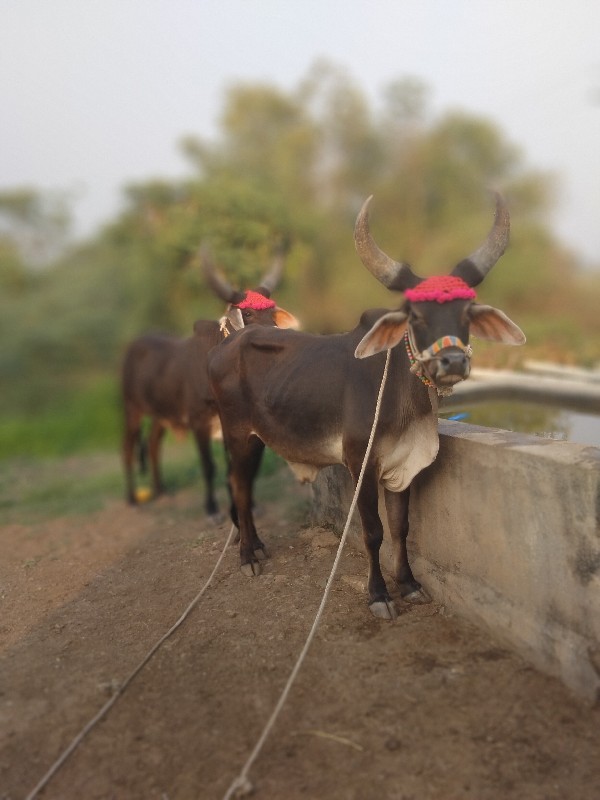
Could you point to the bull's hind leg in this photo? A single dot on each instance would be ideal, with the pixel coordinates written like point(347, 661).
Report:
point(157, 431)
point(245, 460)
point(131, 441)
point(380, 602)
point(202, 435)
point(396, 504)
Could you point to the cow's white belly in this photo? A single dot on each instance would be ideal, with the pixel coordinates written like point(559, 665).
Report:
point(305, 473)
point(402, 458)
point(305, 459)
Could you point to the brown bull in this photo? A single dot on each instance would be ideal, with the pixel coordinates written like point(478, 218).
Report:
point(312, 398)
point(165, 378)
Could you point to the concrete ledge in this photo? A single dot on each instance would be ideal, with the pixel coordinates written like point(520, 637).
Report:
point(574, 393)
point(505, 530)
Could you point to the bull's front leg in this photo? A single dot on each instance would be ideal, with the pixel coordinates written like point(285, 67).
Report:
point(244, 463)
point(380, 602)
point(396, 504)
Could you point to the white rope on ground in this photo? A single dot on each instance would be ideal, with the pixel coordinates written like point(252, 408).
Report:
point(110, 703)
point(242, 784)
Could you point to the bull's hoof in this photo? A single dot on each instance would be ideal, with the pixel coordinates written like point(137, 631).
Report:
point(418, 598)
point(251, 570)
point(383, 609)
point(261, 552)
point(216, 518)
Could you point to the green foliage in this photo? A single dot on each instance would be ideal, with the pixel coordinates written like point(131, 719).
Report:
point(35, 223)
point(33, 488)
point(76, 421)
point(288, 167)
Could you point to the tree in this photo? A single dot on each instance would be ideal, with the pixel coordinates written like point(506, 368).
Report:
point(36, 223)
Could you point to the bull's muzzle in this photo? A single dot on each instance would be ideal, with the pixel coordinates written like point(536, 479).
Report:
point(449, 366)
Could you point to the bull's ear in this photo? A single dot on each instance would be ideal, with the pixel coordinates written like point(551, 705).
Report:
point(385, 334)
point(283, 319)
point(234, 315)
point(492, 324)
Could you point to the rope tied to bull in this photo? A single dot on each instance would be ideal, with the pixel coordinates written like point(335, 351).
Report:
point(110, 703)
point(242, 786)
point(241, 783)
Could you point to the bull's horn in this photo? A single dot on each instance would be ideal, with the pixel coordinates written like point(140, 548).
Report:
point(270, 281)
point(394, 274)
point(475, 267)
point(215, 279)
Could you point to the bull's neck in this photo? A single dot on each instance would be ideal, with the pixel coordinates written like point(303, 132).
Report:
point(415, 367)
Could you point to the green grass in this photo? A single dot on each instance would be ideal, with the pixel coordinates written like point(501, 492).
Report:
point(33, 488)
point(65, 459)
point(84, 421)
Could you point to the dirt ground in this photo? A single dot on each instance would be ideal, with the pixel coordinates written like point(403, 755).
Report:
point(426, 708)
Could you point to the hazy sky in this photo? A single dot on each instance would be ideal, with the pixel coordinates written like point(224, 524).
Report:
point(97, 93)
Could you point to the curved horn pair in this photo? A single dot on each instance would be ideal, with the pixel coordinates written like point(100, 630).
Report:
point(220, 286)
point(398, 276)
point(225, 290)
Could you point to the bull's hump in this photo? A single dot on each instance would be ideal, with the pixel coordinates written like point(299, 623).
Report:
point(263, 335)
point(270, 346)
point(369, 318)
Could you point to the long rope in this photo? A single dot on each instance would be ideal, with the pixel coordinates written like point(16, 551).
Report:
point(110, 703)
point(242, 784)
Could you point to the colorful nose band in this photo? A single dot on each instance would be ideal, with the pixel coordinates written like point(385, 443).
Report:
point(445, 341)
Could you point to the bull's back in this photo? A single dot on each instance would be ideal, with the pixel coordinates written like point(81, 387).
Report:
point(148, 378)
point(166, 377)
point(286, 387)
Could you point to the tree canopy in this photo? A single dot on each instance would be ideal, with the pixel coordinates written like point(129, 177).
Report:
point(289, 167)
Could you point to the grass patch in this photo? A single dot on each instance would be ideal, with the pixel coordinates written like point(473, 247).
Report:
point(36, 489)
point(65, 458)
point(86, 421)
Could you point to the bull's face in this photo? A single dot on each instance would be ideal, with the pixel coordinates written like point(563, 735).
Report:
point(439, 313)
point(273, 316)
point(436, 337)
point(438, 340)
point(254, 306)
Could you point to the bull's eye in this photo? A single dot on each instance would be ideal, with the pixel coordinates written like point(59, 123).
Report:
point(247, 315)
point(417, 321)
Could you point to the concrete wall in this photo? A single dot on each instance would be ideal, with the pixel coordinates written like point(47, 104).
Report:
point(505, 530)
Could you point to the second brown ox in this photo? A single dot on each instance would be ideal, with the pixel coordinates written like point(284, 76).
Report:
point(165, 377)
